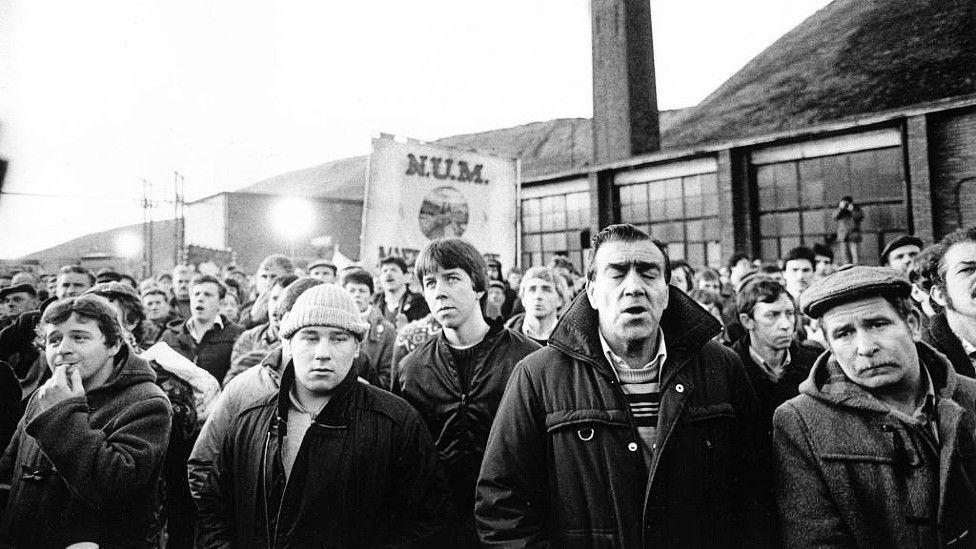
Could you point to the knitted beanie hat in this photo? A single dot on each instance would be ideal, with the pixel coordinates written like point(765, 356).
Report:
point(324, 305)
point(292, 292)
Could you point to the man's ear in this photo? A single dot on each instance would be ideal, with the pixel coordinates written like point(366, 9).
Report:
point(589, 294)
point(938, 294)
point(914, 324)
point(747, 322)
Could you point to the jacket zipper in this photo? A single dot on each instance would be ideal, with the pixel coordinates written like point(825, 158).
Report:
point(264, 463)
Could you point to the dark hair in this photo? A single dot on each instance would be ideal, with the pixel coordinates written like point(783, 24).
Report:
point(108, 276)
point(682, 265)
point(77, 269)
point(763, 290)
point(232, 284)
point(156, 291)
point(736, 258)
point(205, 278)
point(284, 281)
point(453, 253)
point(922, 272)
point(848, 198)
point(394, 260)
point(132, 310)
point(623, 232)
point(801, 253)
point(938, 254)
point(358, 276)
point(707, 297)
point(89, 306)
point(770, 268)
point(280, 261)
point(820, 248)
point(708, 273)
point(124, 278)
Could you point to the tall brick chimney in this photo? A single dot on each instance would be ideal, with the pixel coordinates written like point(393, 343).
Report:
point(625, 115)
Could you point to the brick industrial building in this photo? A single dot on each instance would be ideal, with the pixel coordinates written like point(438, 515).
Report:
point(868, 99)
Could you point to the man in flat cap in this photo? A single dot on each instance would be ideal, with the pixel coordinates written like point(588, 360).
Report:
point(879, 448)
point(900, 252)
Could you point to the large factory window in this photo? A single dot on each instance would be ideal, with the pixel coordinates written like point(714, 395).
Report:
point(551, 225)
point(797, 200)
point(682, 212)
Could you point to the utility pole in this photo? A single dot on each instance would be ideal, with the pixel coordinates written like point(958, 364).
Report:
point(147, 229)
point(179, 214)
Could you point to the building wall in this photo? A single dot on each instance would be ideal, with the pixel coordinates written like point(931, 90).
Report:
point(952, 158)
point(252, 235)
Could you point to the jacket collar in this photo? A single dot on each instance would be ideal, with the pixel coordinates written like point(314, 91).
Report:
point(335, 412)
point(828, 383)
point(686, 328)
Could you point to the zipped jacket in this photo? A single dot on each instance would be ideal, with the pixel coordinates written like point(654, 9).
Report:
point(213, 351)
point(564, 466)
point(366, 475)
point(460, 415)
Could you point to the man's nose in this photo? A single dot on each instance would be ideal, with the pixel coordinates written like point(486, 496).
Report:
point(867, 344)
point(633, 284)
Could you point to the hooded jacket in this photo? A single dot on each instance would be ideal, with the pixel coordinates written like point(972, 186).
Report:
point(87, 469)
point(851, 474)
point(460, 416)
point(563, 466)
point(366, 475)
point(940, 336)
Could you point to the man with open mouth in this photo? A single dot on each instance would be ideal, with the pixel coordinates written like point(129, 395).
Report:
point(879, 448)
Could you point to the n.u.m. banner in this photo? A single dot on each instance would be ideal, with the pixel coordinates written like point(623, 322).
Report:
point(417, 192)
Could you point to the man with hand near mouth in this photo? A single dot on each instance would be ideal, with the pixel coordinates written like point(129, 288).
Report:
point(325, 461)
point(206, 338)
point(85, 462)
point(456, 378)
point(774, 359)
point(879, 448)
point(632, 428)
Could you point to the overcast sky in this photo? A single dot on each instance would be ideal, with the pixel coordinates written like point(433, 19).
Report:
point(97, 96)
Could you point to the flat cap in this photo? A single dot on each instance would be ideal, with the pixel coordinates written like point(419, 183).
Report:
point(851, 283)
point(322, 263)
point(25, 288)
point(903, 240)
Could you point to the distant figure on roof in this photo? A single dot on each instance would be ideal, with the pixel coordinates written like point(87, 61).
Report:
point(849, 217)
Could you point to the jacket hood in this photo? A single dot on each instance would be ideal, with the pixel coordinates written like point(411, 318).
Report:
point(129, 370)
point(828, 383)
point(687, 326)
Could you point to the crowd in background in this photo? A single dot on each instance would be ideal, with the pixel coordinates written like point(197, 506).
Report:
point(218, 346)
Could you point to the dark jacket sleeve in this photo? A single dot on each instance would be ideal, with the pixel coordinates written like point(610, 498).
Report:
point(420, 489)
point(214, 494)
point(208, 444)
point(103, 467)
point(385, 365)
point(512, 485)
point(807, 514)
point(754, 480)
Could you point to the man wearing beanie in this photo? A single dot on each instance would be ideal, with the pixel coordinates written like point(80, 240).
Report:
point(456, 378)
point(253, 384)
point(327, 461)
point(879, 448)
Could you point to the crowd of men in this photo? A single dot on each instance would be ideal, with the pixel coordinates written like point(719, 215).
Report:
point(448, 403)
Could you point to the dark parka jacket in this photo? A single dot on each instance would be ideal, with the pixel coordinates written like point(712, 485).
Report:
point(366, 475)
point(940, 336)
point(460, 417)
point(215, 347)
point(564, 469)
point(851, 474)
point(87, 469)
point(773, 393)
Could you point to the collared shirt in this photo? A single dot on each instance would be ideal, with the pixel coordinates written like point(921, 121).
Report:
point(641, 387)
point(924, 416)
point(191, 325)
point(772, 372)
